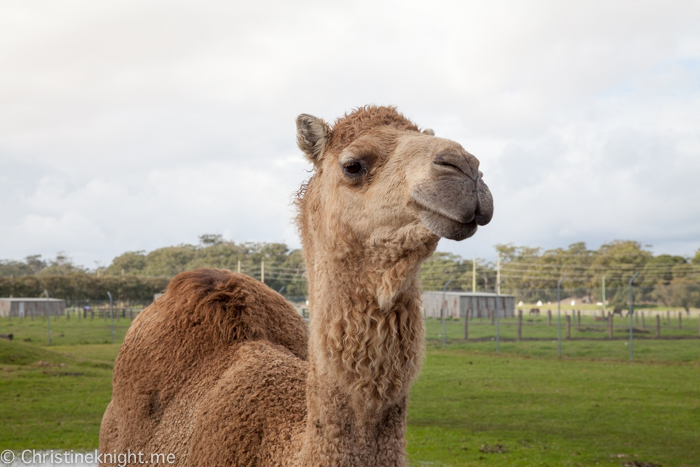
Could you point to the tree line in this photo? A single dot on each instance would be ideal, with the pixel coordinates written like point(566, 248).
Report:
point(138, 275)
point(663, 279)
point(530, 273)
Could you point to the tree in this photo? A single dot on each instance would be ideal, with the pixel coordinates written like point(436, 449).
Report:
point(442, 267)
point(535, 274)
point(131, 262)
point(31, 265)
point(211, 239)
point(681, 292)
point(169, 261)
point(60, 266)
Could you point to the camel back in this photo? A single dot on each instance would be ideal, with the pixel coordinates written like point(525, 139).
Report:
point(185, 341)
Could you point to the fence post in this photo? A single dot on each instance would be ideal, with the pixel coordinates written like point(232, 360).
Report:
point(680, 320)
point(631, 312)
point(610, 325)
point(658, 326)
point(48, 314)
point(668, 317)
point(466, 323)
point(643, 324)
point(559, 314)
point(443, 312)
point(578, 315)
point(520, 324)
point(111, 313)
point(549, 317)
point(568, 327)
point(498, 315)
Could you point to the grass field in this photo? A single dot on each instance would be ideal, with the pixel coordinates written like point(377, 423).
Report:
point(552, 412)
point(53, 398)
point(471, 406)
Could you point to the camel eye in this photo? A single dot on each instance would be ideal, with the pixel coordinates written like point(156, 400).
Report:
point(352, 168)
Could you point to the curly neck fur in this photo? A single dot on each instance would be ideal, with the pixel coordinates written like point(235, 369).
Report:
point(367, 337)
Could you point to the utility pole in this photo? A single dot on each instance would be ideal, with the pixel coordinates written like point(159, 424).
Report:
point(474, 274)
point(498, 273)
point(262, 271)
point(239, 266)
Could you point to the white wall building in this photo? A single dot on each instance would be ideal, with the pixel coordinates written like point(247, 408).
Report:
point(473, 304)
point(28, 307)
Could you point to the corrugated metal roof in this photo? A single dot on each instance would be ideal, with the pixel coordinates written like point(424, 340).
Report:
point(469, 294)
point(13, 299)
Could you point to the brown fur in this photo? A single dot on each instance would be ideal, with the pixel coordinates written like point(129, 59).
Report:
point(221, 370)
point(351, 126)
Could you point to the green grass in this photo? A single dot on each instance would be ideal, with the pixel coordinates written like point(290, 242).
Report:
point(578, 410)
point(53, 398)
point(552, 412)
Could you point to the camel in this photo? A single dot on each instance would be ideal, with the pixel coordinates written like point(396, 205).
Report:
point(221, 370)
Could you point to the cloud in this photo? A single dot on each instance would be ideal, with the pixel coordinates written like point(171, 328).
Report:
point(144, 124)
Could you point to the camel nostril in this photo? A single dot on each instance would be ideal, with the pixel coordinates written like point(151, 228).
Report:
point(456, 162)
point(447, 164)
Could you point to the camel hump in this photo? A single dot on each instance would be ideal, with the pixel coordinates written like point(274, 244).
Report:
point(228, 307)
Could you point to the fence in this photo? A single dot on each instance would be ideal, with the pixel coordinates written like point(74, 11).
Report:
point(585, 333)
point(84, 322)
point(581, 318)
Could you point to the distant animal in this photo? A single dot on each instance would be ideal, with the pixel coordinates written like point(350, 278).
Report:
point(617, 311)
point(221, 370)
point(535, 311)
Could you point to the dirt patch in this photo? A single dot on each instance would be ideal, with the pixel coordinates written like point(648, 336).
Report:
point(493, 449)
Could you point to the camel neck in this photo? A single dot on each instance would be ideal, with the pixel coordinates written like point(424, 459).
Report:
point(365, 350)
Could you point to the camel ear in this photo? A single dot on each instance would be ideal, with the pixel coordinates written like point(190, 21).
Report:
point(312, 135)
point(429, 131)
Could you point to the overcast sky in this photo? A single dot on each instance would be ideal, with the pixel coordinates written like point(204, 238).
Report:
point(134, 125)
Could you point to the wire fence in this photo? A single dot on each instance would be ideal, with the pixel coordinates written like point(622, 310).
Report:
point(591, 319)
point(647, 335)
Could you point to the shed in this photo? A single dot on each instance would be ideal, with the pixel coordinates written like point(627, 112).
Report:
point(26, 307)
point(474, 304)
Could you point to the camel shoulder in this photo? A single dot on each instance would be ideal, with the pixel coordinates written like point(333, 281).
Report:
point(254, 411)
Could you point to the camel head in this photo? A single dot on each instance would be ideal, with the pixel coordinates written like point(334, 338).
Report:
point(377, 173)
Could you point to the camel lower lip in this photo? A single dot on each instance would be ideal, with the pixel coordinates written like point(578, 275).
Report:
point(447, 227)
point(427, 205)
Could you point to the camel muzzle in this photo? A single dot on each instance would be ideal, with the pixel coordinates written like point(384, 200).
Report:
point(454, 201)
